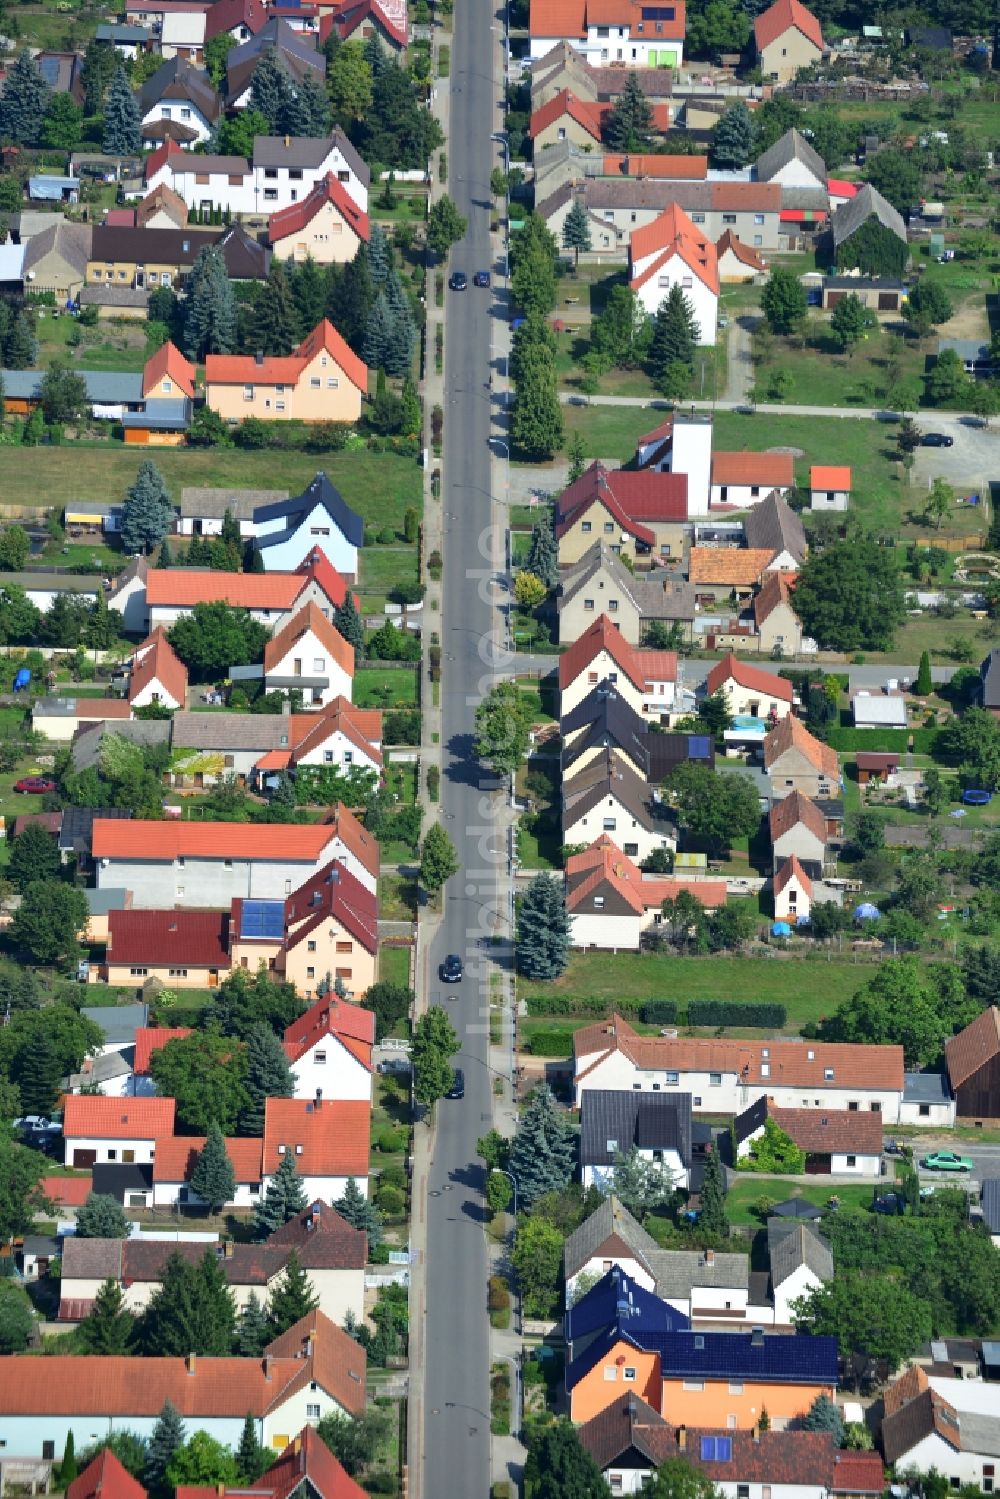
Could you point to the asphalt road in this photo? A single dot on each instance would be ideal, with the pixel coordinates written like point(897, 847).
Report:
point(456, 1373)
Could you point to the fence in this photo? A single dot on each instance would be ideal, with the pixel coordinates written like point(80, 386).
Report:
point(953, 543)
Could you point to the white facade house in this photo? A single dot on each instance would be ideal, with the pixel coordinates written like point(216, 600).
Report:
point(950, 1425)
point(726, 1077)
point(97, 1130)
point(928, 1101)
point(669, 252)
point(329, 1049)
point(284, 170)
point(183, 33)
point(800, 1262)
point(288, 529)
point(311, 655)
point(621, 33)
point(793, 892)
point(829, 486)
point(750, 691)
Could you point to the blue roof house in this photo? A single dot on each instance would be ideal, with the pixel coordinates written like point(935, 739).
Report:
point(319, 517)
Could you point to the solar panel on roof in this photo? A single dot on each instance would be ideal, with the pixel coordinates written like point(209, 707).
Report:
point(700, 747)
point(262, 918)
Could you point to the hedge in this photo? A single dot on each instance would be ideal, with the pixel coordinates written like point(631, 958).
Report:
point(557, 1042)
point(925, 741)
point(659, 1012)
point(541, 1004)
point(725, 1012)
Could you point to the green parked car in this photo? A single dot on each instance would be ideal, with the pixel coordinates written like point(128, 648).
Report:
point(947, 1160)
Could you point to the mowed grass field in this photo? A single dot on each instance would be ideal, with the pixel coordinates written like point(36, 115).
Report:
point(379, 486)
point(808, 988)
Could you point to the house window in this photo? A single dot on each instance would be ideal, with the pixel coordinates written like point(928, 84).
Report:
point(609, 824)
point(178, 973)
point(616, 1482)
point(319, 1057)
point(925, 1111)
point(333, 383)
point(852, 1107)
point(348, 757)
point(138, 973)
point(736, 1387)
point(310, 973)
point(328, 757)
point(48, 1450)
point(758, 240)
point(742, 1491)
point(715, 1079)
point(729, 218)
point(315, 384)
point(828, 1074)
point(758, 218)
point(112, 1155)
point(598, 902)
point(632, 849)
point(586, 527)
point(346, 947)
point(609, 528)
point(671, 1079)
point(248, 392)
point(588, 605)
point(852, 1161)
point(270, 195)
point(612, 606)
point(312, 1412)
point(716, 1449)
point(629, 1375)
point(765, 1069)
point(610, 1373)
point(694, 1386)
point(310, 947)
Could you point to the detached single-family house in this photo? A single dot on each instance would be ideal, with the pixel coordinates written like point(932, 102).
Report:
point(787, 37)
point(773, 525)
point(629, 1441)
point(797, 826)
point(327, 1138)
point(726, 1076)
point(271, 599)
point(297, 54)
point(793, 162)
point(613, 1123)
point(604, 722)
point(329, 1049)
point(309, 656)
point(600, 583)
point(156, 673)
point(736, 261)
point(178, 102)
point(800, 1261)
point(672, 251)
point(242, 19)
point(617, 31)
point(327, 226)
point(646, 680)
point(317, 519)
point(608, 796)
point(326, 931)
point(385, 19)
point(779, 629)
point(882, 223)
point(793, 892)
point(314, 1369)
point(320, 381)
point(829, 486)
point(590, 1316)
point(750, 690)
point(838, 1142)
point(742, 480)
point(638, 515)
point(97, 1129)
point(949, 1425)
point(283, 170)
point(796, 760)
point(611, 902)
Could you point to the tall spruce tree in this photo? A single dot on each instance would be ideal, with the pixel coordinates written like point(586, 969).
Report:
point(628, 123)
point(271, 89)
point(122, 118)
point(217, 1307)
point(380, 255)
point(168, 1437)
point(99, 67)
point(107, 1328)
point(285, 1197)
point(543, 1151)
point(576, 230)
point(378, 333)
point(21, 345)
point(356, 1210)
point(543, 554)
point(268, 1075)
point(349, 624)
point(39, 1073)
point(403, 340)
point(24, 101)
point(147, 513)
point(313, 107)
point(712, 1207)
point(252, 1459)
point(292, 1297)
point(732, 140)
point(213, 1177)
point(351, 295)
point(274, 323)
point(675, 332)
point(252, 1330)
point(543, 929)
point(191, 1312)
point(210, 320)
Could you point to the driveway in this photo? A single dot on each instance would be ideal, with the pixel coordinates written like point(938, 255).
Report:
point(969, 465)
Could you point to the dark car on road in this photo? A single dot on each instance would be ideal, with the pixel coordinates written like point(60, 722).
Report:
point(458, 281)
point(937, 440)
point(451, 969)
point(481, 278)
point(457, 1089)
point(36, 785)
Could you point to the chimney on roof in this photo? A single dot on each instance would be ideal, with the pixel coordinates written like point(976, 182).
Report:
point(682, 1438)
point(267, 1367)
point(288, 141)
point(228, 1248)
point(191, 1363)
point(709, 1256)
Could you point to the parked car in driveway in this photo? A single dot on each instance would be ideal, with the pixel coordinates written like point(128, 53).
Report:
point(35, 785)
point(937, 440)
point(947, 1160)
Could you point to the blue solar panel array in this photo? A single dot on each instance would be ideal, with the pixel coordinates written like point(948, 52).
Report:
point(699, 747)
point(262, 918)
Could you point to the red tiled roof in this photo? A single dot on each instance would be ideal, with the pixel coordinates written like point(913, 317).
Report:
point(877, 760)
point(673, 233)
point(780, 17)
point(630, 13)
point(90, 1116)
point(777, 589)
point(335, 892)
point(294, 219)
point(67, 1191)
point(309, 619)
point(332, 1134)
point(728, 566)
point(792, 869)
point(329, 1017)
point(838, 187)
point(168, 360)
point(158, 158)
point(307, 1462)
point(823, 1132)
point(731, 668)
point(669, 168)
point(105, 1478)
point(830, 476)
point(600, 636)
point(317, 565)
point(585, 113)
point(604, 863)
point(138, 838)
point(347, 16)
point(729, 241)
point(973, 1047)
point(792, 811)
point(155, 660)
point(226, 15)
point(240, 369)
point(631, 498)
point(558, 18)
point(363, 726)
point(176, 1156)
point(354, 836)
point(97, 708)
point(336, 1362)
point(183, 588)
point(768, 470)
point(791, 733)
point(199, 939)
point(150, 1038)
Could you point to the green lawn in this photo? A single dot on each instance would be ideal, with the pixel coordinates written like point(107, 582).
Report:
point(385, 688)
point(809, 989)
point(111, 346)
point(380, 486)
point(748, 1189)
point(824, 376)
point(394, 964)
point(382, 567)
point(397, 898)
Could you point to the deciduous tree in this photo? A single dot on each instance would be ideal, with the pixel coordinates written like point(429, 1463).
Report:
point(714, 806)
point(502, 728)
point(850, 321)
point(205, 1073)
point(849, 596)
point(438, 859)
point(873, 1314)
point(49, 920)
point(783, 301)
point(559, 1465)
point(445, 226)
point(434, 1045)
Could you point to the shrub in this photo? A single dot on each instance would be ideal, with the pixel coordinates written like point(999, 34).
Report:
point(498, 1296)
point(391, 1201)
point(550, 1043)
point(392, 1176)
point(433, 782)
point(659, 1012)
point(386, 537)
point(389, 1140)
point(716, 1012)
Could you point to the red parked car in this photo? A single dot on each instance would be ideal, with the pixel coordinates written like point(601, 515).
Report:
point(36, 784)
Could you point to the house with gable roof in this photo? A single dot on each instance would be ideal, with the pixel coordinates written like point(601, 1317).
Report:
point(727, 1076)
point(840, 1141)
point(608, 796)
point(156, 673)
point(773, 525)
point(799, 1261)
point(972, 1059)
point(309, 656)
point(603, 722)
point(672, 251)
point(298, 54)
point(242, 19)
point(750, 691)
point(234, 744)
point(385, 19)
point(329, 1047)
point(793, 892)
point(327, 227)
point(322, 380)
point(743, 480)
point(868, 210)
point(616, 1295)
point(829, 486)
point(565, 117)
point(312, 1370)
point(792, 162)
point(600, 583)
point(318, 517)
point(638, 515)
point(950, 1426)
point(178, 101)
point(797, 826)
point(646, 680)
point(327, 1138)
point(282, 170)
point(796, 760)
point(777, 624)
point(610, 31)
point(327, 929)
point(613, 1122)
point(611, 902)
point(787, 37)
point(736, 261)
point(98, 1129)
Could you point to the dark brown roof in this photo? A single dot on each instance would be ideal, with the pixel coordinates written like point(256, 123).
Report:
point(178, 78)
point(146, 246)
point(829, 1131)
point(973, 1047)
point(607, 776)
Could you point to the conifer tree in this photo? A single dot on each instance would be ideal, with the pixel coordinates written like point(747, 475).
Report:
point(167, 1438)
point(274, 319)
point(543, 929)
point(292, 1297)
point(213, 1177)
point(39, 1075)
point(210, 321)
point(21, 345)
point(380, 256)
point(271, 89)
point(925, 683)
point(252, 1330)
point(378, 333)
point(216, 1307)
point(402, 341)
point(543, 554)
point(122, 119)
point(356, 1210)
point(107, 1328)
point(543, 1151)
point(268, 1075)
point(313, 107)
point(252, 1459)
point(147, 513)
point(67, 1468)
point(23, 102)
point(732, 140)
point(375, 55)
point(675, 332)
point(576, 230)
point(348, 623)
point(285, 1197)
point(350, 298)
point(712, 1208)
point(627, 124)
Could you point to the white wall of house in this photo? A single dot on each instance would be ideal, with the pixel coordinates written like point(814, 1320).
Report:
point(316, 528)
point(181, 112)
point(601, 669)
point(609, 44)
point(594, 929)
point(209, 525)
point(139, 1151)
point(611, 817)
point(753, 702)
point(340, 751)
point(169, 1194)
point(130, 601)
point(801, 841)
point(326, 1188)
point(792, 901)
point(210, 883)
point(338, 1292)
point(745, 496)
point(308, 657)
point(958, 1467)
point(155, 692)
point(941, 1115)
point(599, 1267)
point(261, 191)
point(828, 499)
point(801, 1281)
point(328, 1070)
point(674, 272)
point(844, 1164)
point(602, 1177)
point(168, 614)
